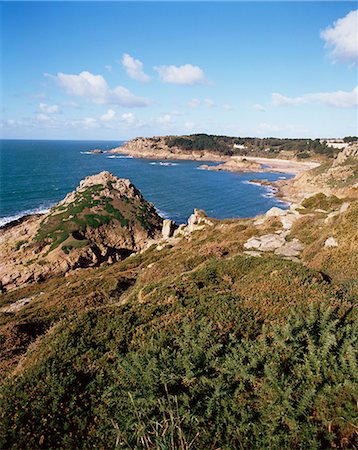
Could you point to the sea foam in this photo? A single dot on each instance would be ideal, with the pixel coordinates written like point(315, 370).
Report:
point(38, 210)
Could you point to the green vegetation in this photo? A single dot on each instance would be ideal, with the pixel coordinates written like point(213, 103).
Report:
point(19, 244)
point(351, 139)
point(116, 214)
point(322, 201)
point(220, 144)
point(227, 352)
point(77, 216)
point(300, 148)
point(74, 244)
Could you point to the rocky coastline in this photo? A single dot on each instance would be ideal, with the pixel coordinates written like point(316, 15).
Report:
point(157, 148)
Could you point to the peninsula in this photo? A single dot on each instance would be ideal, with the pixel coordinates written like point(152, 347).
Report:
point(255, 155)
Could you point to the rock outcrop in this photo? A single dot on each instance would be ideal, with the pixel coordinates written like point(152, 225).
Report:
point(104, 220)
point(338, 177)
point(168, 228)
point(197, 221)
point(157, 148)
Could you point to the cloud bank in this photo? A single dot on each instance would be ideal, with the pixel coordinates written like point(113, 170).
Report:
point(342, 38)
point(337, 99)
point(94, 88)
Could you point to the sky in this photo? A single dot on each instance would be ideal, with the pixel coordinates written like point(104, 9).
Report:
point(118, 70)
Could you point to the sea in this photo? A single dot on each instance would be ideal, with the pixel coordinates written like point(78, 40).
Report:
point(36, 174)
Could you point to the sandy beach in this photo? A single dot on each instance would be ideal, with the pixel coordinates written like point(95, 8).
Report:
point(284, 165)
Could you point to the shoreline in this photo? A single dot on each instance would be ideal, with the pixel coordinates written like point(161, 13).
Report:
point(274, 165)
point(228, 163)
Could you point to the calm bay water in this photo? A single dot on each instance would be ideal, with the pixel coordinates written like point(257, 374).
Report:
point(34, 175)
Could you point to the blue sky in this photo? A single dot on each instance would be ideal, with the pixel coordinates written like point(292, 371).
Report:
point(116, 70)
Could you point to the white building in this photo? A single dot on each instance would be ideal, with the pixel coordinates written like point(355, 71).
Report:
point(335, 143)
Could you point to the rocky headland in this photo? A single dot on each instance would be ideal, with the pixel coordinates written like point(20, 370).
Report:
point(104, 220)
point(157, 148)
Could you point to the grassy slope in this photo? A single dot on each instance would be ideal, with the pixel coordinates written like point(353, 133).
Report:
point(196, 343)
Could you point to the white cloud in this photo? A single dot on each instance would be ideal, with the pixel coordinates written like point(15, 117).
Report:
point(108, 116)
point(258, 107)
point(281, 100)
point(166, 119)
point(337, 99)
point(342, 38)
point(134, 68)
point(49, 109)
point(94, 88)
point(128, 118)
point(89, 122)
point(186, 74)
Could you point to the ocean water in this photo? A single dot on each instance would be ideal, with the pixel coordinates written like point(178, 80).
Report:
point(34, 175)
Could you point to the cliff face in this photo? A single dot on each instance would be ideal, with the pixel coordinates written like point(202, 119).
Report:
point(104, 220)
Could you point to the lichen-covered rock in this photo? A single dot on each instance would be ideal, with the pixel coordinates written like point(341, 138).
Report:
point(275, 243)
point(290, 249)
point(265, 243)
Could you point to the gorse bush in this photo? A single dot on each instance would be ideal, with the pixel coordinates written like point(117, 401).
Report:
point(282, 390)
point(192, 347)
point(106, 379)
